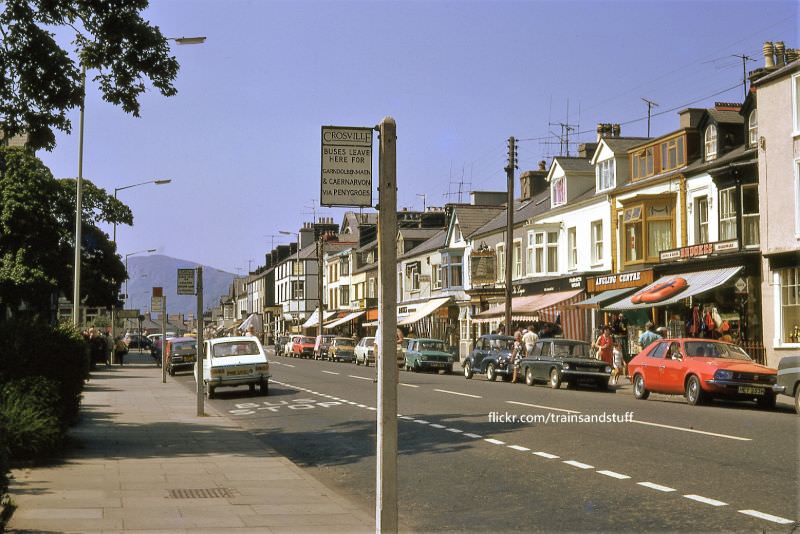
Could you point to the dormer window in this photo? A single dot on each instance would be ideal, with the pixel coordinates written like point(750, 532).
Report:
point(605, 175)
point(559, 191)
point(752, 128)
point(711, 142)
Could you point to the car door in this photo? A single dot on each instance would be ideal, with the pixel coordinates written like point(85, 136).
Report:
point(544, 359)
point(479, 354)
point(652, 366)
point(672, 369)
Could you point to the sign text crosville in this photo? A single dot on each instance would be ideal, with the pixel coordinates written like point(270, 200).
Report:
point(346, 166)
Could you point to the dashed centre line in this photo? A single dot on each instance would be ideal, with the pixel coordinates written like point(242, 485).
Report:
point(657, 487)
point(706, 500)
point(579, 465)
point(543, 407)
point(614, 474)
point(458, 393)
point(360, 377)
point(546, 455)
point(409, 385)
point(330, 372)
point(767, 517)
point(494, 441)
point(518, 448)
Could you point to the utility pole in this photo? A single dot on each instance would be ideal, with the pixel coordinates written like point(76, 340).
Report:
point(650, 105)
point(745, 58)
point(320, 256)
point(200, 347)
point(386, 468)
point(510, 166)
point(76, 289)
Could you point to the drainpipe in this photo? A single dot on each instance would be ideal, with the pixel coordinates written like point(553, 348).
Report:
point(614, 230)
point(684, 211)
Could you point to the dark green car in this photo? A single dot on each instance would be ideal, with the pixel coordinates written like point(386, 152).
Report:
point(428, 354)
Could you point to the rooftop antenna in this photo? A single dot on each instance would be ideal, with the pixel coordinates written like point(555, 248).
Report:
point(424, 200)
point(745, 58)
point(563, 138)
point(650, 105)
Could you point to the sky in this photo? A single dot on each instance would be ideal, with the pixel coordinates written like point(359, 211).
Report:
point(241, 139)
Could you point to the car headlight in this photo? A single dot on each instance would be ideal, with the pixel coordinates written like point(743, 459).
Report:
point(566, 366)
point(450, 360)
point(608, 369)
point(723, 374)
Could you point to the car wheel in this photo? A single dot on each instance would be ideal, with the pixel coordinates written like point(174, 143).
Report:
point(171, 371)
point(602, 384)
point(555, 378)
point(209, 391)
point(639, 391)
point(767, 402)
point(252, 388)
point(529, 376)
point(467, 370)
point(491, 375)
point(357, 361)
point(797, 401)
point(694, 393)
point(416, 368)
point(264, 388)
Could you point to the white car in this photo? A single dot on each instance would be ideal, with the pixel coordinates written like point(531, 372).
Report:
point(365, 352)
point(234, 361)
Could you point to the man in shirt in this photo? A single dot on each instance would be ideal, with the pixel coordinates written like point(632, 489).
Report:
point(648, 336)
point(529, 339)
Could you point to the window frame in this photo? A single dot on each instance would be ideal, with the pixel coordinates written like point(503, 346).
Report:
point(698, 224)
point(436, 280)
point(642, 221)
point(710, 137)
point(752, 129)
point(747, 216)
point(728, 218)
point(608, 169)
point(572, 248)
point(597, 259)
point(781, 304)
point(516, 259)
point(796, 104)
point(562, 184)
point(500, 250)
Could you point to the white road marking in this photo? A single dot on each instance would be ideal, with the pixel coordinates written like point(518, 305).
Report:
point(352, 403)
point(494, 441)
point(421, 421)
point(288, 365)
point(434, 425)
point(546, 455)
point(360, 377)
point(457, 393)
point(706, 500)
point(768, 517)
point(362, 405)
point(613, 474)
point(371, 408)
point(579, 465)
point(471, 435)
point(518, 448)
point(657, 487)
point(691, 430)
point(407, 418)
point(454, 430)
point(543, 407)
point(330, 372)
point(409, 385)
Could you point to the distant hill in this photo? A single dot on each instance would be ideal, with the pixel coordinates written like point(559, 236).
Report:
point(157, 270)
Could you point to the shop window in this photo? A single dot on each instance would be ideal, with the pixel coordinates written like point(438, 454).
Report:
point(606, 178)
point(790, 304)
point(559, 191)
point(752, 128)
point(727, 214)
point(701, 220)
point(501, 262)
point(597, 242)
point(572, 246)
point(711, 142)
point(750, 215)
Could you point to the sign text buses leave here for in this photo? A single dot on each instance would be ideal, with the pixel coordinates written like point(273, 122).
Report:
point(346, 178)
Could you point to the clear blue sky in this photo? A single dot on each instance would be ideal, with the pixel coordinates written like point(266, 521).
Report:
point(241, 140)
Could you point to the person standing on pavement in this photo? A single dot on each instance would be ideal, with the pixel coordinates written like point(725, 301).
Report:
point(120, 349)
point(648, 336)
point(516, 355)
point(529, 339)
point(605, 346)
point(619, 363)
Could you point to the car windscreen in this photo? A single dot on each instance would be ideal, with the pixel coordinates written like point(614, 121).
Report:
point(431, 345)
point(183, 347)
point(309, 340)
point(571, 350)
point(343, 342)
point(501, 344)
point(709, 349)
point(236, 348)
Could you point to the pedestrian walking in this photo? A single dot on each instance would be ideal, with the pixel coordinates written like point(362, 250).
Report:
point(120, 349)
point(648, 336)
point(605, 346)
point(619, 363)
point(529, 339)
point(516, 355)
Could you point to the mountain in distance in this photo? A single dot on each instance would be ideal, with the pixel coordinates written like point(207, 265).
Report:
point(157, 270)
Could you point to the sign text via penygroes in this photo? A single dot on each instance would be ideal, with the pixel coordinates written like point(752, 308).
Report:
point(346, 166)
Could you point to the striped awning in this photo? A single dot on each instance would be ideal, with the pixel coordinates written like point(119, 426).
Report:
point(688, 284)
point(597, 300)
point(548, 307)
point(342, 320)
point(423, 311)
point(314, 319)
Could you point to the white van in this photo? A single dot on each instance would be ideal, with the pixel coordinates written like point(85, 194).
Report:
point(234, 361)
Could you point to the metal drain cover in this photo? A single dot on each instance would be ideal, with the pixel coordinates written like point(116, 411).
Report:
point(208, 493)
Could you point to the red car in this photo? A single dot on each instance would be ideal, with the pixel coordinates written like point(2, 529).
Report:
point(303, 347)
point(701, 369)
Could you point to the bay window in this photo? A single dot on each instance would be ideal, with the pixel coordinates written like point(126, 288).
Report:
point(648, 230)
point(790, 304)
point(452, 271)
point(545, 252)
point(436, 281)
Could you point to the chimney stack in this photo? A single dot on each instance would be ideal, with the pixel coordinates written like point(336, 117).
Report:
point(791, 55)
point(769, 59)
point(615, 130)
point(543, 165)
point(780, 51)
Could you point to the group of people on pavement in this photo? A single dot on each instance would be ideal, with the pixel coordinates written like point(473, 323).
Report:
point(101, 345)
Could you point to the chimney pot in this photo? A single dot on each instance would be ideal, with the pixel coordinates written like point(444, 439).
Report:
point(769, 60)
point(780, 51)
point(615, 130)
point(543, 165)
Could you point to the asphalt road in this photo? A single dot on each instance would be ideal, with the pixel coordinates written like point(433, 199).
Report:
point(670, 467)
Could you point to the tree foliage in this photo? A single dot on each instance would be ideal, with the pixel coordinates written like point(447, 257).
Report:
point(40, 82)
point(37, 225)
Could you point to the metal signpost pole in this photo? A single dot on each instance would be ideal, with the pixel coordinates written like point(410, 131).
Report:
point(164, 340)
point(200, 347)
point(76, 289)
point(512, 153)
point(386, 469)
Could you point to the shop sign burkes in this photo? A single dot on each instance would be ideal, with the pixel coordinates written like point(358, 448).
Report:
point(483, 266)
point(700, 250)
point(596, 284)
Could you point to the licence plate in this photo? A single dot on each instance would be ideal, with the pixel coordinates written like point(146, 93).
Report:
point(747, 390)
point(237, 372)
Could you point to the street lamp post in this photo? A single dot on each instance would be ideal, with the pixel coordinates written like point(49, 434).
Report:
point(118, 189)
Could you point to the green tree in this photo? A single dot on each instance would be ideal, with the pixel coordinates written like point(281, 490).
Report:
point(37, 221)
point(40, 82)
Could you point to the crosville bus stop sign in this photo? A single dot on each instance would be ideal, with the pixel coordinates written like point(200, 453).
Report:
point(346, 166)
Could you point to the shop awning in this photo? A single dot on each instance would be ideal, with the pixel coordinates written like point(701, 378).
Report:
point(314, 319)
point(253, 320)
point(672, 288)
point(423, 311)
point(604, 296)
point(527, 308)
point(348, 317)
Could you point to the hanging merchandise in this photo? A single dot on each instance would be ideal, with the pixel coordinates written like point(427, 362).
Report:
point(715, 315)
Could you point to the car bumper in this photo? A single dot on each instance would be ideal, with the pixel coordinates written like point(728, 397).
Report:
point(589, 374)
point(736, 388)
point(348, 356)
point(222, 381)
point(435, 365)
point(777, 388)
point(181, 365)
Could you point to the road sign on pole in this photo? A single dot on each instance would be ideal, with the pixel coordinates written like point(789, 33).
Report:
point(128, 314)
point(346, 166)
point(185, 281)
point(155, 305)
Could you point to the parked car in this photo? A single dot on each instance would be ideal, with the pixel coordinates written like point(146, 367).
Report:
point(365, 351)
point(701, 369)
point(321, 344)
point(181, 354)
point(427, 354)
point(303, 347)
point(557, 361)
point(789, 379)
point(288, 348)
point(280, 344)
point(232, 362)
point(491, 355)
point(137, 341)
point(341, 349)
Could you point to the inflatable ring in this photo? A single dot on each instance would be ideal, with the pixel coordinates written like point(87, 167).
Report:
point(661, 291)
